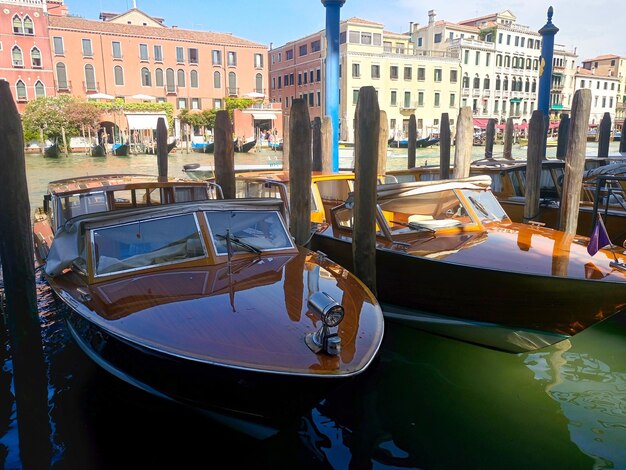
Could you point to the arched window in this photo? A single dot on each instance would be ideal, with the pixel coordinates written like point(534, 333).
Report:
point(497, 82)
point(158, 77)
point(505, 84)
point(90, 78)
point(232, 84)
point(536, 64)
point(507, 61)
point(18, 26)
point(20, 88)
point(259, 83)
point(118, 74)
point(527, 86)
point(513, 84)
point(476, 82)
point(193, 79)
point(217, 80)
point(465, 81)
point(534, 86)
point(486, 83)
point(514, 62)
point(146, 77)
point(528, 63)
point(35, 58)
point(169, 78)
point(40, 89)
point(29, 27)
point(18, 58)
point(62, 77)
point(180, 77)
point(499, 60)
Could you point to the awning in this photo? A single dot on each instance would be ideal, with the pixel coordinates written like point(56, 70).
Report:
point(263, 115)
point(481, 122)
point(144, 120)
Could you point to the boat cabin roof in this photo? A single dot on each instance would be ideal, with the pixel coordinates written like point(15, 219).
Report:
point(394, 190)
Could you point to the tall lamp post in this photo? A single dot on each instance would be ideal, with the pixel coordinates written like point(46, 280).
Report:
point(331, 85)
point(545, 71)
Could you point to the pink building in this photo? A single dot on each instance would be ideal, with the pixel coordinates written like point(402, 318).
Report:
point(26, 61)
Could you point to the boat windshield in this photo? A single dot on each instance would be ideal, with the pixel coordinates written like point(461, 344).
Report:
point(260, 230)
point(485, 205)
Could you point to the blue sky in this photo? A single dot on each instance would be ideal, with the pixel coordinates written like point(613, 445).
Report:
point(595, 28)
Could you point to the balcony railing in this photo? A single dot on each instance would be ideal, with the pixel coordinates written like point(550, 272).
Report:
point(170, 89)
point(465, 92)
point(486, 92)
point(476, 92)
point(90, 87)
point(233, 91)
point(63, 86)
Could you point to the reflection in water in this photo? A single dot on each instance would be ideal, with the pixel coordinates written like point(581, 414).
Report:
point(592, 396)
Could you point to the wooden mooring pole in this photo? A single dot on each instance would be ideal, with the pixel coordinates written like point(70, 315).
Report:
point(317, 144)
point(622, 140)
point(383, 136)
point(21, 315)
point(412, 141)
point(508, 139)
point(464, 143)
point(490, 137)
point(575, 161)
point(161, 137)
point(534, 158)
point(224, 154)
point(366, 135)
point(300, 171)
point(327, 144)
point(561, 145)
point(444, 147)
point(604, 135)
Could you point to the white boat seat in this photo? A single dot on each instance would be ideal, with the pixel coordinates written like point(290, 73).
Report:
point(435, 224)
point(419, 217)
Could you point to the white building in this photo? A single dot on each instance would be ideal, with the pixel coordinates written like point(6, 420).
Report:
point(603, 93)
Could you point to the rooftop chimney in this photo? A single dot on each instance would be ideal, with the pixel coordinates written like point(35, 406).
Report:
point(431, 16)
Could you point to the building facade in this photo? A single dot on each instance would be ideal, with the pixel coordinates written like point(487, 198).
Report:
point(25, 61)
point(406, 83)
point(603, 93)
point(614, 66)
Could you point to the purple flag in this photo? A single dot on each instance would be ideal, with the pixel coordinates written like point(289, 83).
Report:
point(599, 238)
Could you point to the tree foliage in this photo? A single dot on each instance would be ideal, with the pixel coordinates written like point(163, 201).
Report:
point(49, 114)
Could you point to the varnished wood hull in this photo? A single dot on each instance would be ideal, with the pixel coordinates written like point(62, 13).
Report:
point(554, 304)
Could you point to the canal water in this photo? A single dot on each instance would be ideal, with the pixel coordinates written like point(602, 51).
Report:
point(428, 402)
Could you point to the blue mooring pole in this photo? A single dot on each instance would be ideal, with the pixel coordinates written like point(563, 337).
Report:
point(331, 86)
point(545, 71)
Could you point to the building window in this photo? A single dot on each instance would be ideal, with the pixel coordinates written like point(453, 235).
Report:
point(437, 37)
point(143, 52)
point(289, 54)
point(90, 78)
point(421, 74)
point(477, 58)
point(315, 46)
point(17, 57)
point(87, 50)
point(181, 103)
point(407, 99)
point(195, 103)
point(217, 80)
point(158, 53)
point(29, 27)
point(170, 85)
point(375, 71)
point(232, 84)
point(146, 77)
point(193, 79)
point(180, 55)
point(158, 77)
point(452, 100)
point(20, 87)
point(216, 57)
point(466, 57)
point(438, 75)
point(453, 76)
point(420, 98)
point(259, 83)
point(217, 103)
point(40, 89)
point(393, 101)
point(192, 52)
point(408, 73)
point(302, 50)
point(355, 96)
point(232, 58)
point(476, 82)
point(61, 77)
point(118, 73)
point(57, 43)
point(18, 26)
point(117, 49)
point(35, 58)
point(180, 77)
point(487, 84)
point(465, 81)
point(356, 70)
point(393, 72)
point(258, 60)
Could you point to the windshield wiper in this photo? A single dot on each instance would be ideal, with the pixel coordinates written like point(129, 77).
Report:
point(237, 241)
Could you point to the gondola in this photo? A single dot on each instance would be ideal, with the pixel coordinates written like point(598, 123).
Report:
point(244, 147)
point(121, 150)
point(53, 151)
point(98, 151)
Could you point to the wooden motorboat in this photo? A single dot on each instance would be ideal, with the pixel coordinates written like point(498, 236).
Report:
point(121, 150)
point(448, 257)
point(509, 186)
point(205, 302)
